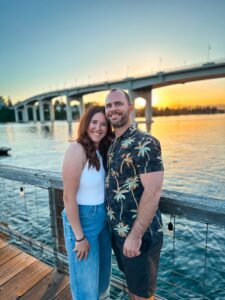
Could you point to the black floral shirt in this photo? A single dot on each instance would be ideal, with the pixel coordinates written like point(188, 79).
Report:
point(135, 152)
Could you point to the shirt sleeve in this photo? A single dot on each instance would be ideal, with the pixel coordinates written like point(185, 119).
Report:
point(147, 155)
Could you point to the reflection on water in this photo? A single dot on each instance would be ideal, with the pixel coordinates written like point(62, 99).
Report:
point(193, 149)
point(194, 157)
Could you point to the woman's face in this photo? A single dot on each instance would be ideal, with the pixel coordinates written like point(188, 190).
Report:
point(97, 128)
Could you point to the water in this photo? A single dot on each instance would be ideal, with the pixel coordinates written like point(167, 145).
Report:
point(194, 159)
point(193, 150)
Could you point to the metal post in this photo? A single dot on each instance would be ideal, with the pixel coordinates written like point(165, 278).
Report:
point(54, 227)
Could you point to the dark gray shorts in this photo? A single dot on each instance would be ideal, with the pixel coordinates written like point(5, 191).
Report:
point(140, 271)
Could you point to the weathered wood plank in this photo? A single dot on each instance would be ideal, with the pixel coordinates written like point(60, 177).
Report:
point(3, 244)
point(47, 179)
point(22, 282)
point(39, 178)
point(193, 207)
point(3, 236)
point(48, 288)
point(64, 295)
point(190, 206)
point(8, 253)
point(14, 266)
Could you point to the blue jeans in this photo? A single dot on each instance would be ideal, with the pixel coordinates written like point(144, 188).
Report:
point(90, 279)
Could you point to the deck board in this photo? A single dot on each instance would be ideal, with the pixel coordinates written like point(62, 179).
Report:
point(48, 288)
point(14, 266)
point(24, 277)
point(65, 294)
point(3, 244)
point(8, 253)
point(25, 280)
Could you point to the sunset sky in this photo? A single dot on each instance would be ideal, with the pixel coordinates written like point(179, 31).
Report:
point(49, 44)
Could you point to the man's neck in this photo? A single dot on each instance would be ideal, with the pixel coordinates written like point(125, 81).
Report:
point(120, 131)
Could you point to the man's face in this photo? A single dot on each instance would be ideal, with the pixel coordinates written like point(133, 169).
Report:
point(117, 109)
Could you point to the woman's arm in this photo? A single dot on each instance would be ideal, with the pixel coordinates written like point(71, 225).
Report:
point(73, 164)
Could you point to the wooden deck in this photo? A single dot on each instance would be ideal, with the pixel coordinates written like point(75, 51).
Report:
point(24, 277)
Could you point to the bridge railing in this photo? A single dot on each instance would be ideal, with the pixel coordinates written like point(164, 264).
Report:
point(129, 76)
point(183, 67)
point(192, 264)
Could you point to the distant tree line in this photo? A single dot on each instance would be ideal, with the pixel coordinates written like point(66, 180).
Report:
point(6, 111)
point(181, 111)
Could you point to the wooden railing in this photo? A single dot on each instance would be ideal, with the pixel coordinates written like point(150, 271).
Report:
point(195, 208)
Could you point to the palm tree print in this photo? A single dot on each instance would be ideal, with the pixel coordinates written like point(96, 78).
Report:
point(160, 158)
point(120, 197)
point(132, 183)
point(119, 194)
point(133, 153)
point(142, 149)
point(110, 157)
point(135, 212)
point(129, 162)
point(107, 181)
point(115, 175)
point(110, 213)
point(122, 229)
point(126, 143)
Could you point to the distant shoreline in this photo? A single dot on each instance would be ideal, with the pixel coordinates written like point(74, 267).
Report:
point(162, 112)
point(188, 114)
point(140, 113)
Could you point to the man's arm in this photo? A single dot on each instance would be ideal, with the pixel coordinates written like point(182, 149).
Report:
point(152, 183)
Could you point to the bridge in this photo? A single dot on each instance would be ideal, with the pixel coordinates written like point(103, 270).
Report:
point(136, 86)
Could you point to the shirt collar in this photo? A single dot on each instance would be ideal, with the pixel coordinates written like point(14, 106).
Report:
point(132, 128)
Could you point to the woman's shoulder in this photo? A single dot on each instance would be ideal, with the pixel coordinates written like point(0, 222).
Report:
point(77, 149)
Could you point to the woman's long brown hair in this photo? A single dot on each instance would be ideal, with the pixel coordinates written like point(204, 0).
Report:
point(87, 143)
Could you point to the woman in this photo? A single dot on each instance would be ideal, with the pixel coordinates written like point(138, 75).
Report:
point(87, 237)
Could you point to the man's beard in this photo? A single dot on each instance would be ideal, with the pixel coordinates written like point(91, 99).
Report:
point(117, 124)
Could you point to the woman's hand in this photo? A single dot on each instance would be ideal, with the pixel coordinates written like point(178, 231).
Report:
point(82, 248)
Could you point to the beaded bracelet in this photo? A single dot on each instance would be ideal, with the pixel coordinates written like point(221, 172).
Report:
point(80, 240)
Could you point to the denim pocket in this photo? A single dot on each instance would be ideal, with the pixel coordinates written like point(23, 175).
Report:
point(87, 211)
point(68, 231)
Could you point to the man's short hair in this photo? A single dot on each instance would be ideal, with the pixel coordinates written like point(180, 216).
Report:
point(125, 94)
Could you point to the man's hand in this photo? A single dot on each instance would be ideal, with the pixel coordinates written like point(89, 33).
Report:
point(132, 245)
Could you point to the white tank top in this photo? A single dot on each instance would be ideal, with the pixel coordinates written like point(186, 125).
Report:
point(91, 190)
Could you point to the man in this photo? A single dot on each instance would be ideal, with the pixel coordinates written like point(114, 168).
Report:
point(133, 189)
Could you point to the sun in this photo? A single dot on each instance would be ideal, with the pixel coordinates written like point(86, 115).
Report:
point(141, 102)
